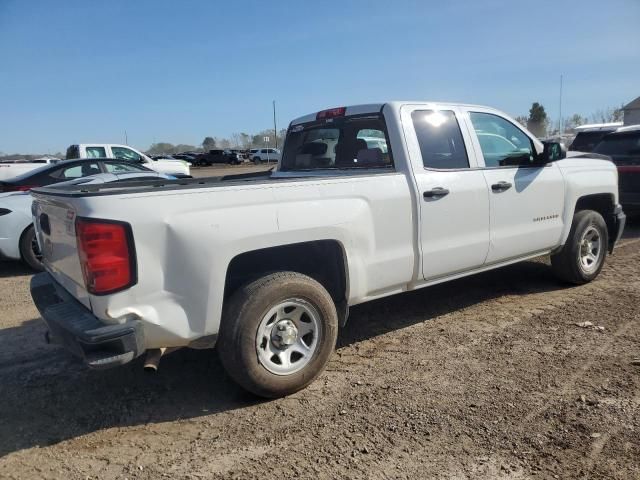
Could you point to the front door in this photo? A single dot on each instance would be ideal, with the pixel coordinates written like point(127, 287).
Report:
point(453, 201)
point(526, 198)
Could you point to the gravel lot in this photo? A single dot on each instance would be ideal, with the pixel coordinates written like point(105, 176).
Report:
point(484, 377)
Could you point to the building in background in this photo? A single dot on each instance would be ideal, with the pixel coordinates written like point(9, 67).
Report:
point(632, 112)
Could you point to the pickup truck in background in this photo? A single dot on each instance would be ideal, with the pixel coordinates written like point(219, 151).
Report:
point(265, 266)
point(174, 167)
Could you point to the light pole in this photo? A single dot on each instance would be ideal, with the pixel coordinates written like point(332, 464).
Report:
point(560, 109)
point(275, 128)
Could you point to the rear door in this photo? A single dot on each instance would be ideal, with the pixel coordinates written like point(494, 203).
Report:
point(526, 198)
point(454, 200)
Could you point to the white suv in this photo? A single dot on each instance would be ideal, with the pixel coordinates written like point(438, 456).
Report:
point(265, 155)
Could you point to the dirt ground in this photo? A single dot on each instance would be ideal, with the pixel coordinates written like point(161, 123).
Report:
point(217, 170)
point(484, 377)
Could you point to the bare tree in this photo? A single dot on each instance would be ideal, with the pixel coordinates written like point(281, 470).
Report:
point(236, 140)
point(522, 120)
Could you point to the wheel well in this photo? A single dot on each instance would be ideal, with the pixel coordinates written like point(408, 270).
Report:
point(322, 260)
point(601, 203)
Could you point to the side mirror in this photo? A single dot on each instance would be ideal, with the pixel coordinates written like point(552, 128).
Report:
point(553, 151)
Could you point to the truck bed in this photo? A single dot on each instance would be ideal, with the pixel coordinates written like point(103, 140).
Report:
point(148, 186)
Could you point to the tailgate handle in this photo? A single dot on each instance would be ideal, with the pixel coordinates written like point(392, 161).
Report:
point(45, 226)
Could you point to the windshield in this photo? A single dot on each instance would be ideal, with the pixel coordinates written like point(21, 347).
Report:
point(337, 143)
point(619, 144)
point(586, 141)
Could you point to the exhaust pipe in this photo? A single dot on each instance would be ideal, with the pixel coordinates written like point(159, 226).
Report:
point(152, 361)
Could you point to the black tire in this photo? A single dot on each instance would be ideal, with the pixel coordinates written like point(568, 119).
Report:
point(257, 160)
point(241, 320)
point(567, 264)
point(29, 250)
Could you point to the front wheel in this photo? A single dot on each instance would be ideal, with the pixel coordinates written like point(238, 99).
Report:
point(30, 251)
point(278, 333)
point(582, 257)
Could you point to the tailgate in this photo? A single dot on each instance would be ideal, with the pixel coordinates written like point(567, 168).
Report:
point(54, 219)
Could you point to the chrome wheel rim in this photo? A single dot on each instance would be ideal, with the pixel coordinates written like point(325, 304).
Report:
point(288, 336)
point(590, 249)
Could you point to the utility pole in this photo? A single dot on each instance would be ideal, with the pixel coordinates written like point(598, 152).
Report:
point(560, 109)
point(126, 139)
point(275, 128)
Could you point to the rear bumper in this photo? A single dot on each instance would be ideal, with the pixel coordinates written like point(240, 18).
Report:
point(98, 344)
point(619, 220)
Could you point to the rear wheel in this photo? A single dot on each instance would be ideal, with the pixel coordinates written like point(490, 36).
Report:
point(29, 249)
point(257, 160)
point(278, 333)
point(583, 255)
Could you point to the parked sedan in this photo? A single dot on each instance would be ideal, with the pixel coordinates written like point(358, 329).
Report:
point(68, 170)
point(17, 238)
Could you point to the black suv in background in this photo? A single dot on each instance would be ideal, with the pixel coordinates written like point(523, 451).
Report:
point(623, 146)
point(588, 136)
point(220, 156)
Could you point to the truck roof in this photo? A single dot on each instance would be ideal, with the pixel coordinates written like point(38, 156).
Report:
point(628, 128)
point(597, 127)
point(377, 107)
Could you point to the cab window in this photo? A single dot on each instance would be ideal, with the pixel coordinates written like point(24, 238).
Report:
point(113, 167)
point(125, 154)
point(440, 139)
point(502, 143)
point(96, 152)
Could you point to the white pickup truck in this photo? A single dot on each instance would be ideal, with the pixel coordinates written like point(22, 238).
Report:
point(265, 266)
point(176, 168)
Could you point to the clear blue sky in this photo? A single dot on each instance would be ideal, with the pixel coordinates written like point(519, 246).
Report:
point(176, 71)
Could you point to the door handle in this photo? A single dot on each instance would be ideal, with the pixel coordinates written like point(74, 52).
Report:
point(501, 186)
point(436, 192)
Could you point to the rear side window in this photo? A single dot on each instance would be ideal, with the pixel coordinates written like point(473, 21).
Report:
point(440, 139)
point(338, 143)
point(76, 171)
point(96, 152)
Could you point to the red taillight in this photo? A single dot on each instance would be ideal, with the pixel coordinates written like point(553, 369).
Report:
point(331, 113)
point(106, 255)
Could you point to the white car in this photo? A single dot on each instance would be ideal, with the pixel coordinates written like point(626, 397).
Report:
point(17, 239)
point(265, 266)
point(265, 155)
point(10, 169)
point(175, 167)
